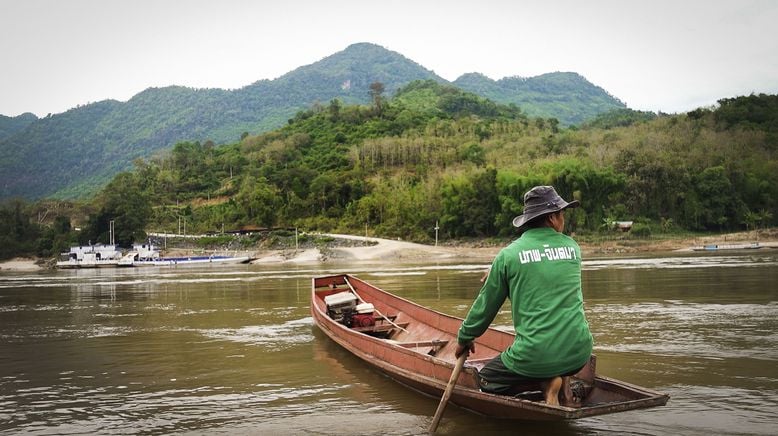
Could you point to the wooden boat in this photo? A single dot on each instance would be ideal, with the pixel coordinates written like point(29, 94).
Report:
point(149, 255)
point(717, 247)
point(129, 261)
point(415, 346)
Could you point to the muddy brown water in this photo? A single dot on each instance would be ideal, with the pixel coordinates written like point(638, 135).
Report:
point(232, 349)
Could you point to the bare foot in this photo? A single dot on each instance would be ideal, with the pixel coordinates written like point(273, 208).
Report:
point(573, 392)
point(551, 390)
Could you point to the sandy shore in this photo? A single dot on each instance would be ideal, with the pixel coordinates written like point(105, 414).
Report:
point(376, 249)
point(387, 250)
point(20, 264)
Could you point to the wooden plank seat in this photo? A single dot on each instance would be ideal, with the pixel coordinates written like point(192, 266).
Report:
point(434, 345)
point(421, 344)
point(378, 328)
point(379, 318)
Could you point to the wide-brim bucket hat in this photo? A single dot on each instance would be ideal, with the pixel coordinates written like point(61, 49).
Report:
point(541, 200)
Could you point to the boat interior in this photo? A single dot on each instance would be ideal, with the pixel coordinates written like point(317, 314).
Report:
point(407, 325)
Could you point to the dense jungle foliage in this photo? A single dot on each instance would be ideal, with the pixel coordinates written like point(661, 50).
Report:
point(435, 154)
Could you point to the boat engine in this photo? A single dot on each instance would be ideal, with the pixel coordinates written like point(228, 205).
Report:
point(340, 306)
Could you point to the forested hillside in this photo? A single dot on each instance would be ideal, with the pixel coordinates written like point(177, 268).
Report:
point(568, 97)
point(11, 125)
point(79, 151)
point(437, 154)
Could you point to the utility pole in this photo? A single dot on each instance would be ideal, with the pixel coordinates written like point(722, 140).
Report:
point(436, 233)
point(110, 232)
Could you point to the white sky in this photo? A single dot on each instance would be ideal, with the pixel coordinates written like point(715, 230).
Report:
point(657, 55)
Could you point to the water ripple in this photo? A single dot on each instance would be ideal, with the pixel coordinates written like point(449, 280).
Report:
point(277, 336)
point(683, 328)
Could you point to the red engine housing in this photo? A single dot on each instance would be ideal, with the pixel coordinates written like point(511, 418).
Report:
point(362, 320)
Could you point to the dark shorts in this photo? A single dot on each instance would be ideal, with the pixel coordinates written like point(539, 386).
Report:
point(496, 378)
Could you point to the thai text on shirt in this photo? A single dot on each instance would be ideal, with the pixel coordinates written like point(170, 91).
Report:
point(546, 254)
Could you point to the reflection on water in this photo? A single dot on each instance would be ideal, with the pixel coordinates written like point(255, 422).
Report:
point(234, 349)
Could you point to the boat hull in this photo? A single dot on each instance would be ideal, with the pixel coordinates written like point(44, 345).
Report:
point(74, 264)
point(418, 351)
point(196, 261)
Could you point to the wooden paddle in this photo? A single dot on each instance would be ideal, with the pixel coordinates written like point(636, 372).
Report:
point(452, 381)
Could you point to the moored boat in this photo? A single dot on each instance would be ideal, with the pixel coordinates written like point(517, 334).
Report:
point(148, 255)
point(90, 256)
point(105, 256)
point(191, 260)
point(415, 345)
point(717, 247)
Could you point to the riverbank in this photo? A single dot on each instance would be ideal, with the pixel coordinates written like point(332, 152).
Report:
point(764, 238)
point(350, 248)
point(387, 250)
point(21, 264)
point(369, 249)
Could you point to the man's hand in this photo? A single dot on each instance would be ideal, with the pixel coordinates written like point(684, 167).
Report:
point(464, 348)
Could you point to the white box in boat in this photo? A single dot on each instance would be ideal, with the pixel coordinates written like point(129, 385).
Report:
point(365, 308)
point(340, 300)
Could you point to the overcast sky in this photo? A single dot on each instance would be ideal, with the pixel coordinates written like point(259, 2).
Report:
point(656, 55)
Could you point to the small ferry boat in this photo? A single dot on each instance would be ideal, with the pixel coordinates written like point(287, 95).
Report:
point(90, 256)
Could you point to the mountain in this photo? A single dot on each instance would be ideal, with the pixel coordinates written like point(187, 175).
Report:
point(346, 75)
point(75, 153)
point(80, 150)
point(10, 125)
point(568, 97)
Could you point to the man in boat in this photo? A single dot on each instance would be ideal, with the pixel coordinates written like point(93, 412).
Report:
point(540, 272)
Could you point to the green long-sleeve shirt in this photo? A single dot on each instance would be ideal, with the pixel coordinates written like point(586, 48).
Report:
point(541, 275)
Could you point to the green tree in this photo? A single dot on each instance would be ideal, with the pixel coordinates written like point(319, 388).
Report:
point(470, 204)
point(18, 234)
point(720, 205)
point(123, 202)
point(473, 153)
point(377, 96)
point(259, 200)
point(56, 238)
point(334, 109)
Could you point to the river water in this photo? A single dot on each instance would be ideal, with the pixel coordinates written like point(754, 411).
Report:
point(233, 349)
